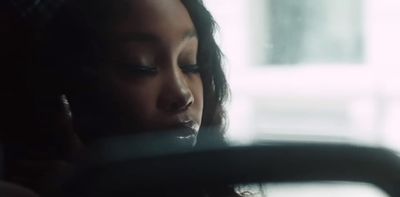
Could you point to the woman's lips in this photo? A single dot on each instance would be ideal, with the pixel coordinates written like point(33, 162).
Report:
point(185, 131)
point(179, 131)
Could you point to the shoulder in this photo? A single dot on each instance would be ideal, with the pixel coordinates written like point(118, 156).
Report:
point(12, 190)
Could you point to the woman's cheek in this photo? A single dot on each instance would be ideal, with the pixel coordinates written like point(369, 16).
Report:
point(137, 99)
point(198, 93)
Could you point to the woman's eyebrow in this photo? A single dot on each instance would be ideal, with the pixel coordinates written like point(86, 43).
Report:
point(138, 37)
point(149, 37)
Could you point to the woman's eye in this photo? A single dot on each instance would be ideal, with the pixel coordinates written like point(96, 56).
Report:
point(138, 69)
point(190, 68)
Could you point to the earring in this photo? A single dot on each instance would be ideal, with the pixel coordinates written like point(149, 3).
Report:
point(66, 106)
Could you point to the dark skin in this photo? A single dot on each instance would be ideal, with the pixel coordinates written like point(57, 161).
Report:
point(152, 73)
point(148, 81)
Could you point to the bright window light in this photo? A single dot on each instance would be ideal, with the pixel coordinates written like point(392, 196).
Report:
point(312, 69)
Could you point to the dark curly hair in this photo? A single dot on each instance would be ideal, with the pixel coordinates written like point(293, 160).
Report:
point(74, 38)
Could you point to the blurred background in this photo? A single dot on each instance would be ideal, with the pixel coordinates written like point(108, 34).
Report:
point(312, 69)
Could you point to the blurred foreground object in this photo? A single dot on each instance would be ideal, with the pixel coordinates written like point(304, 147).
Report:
point(184, 172)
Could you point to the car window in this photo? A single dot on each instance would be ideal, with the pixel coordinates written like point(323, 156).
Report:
point(311, 189)
point(312, 69)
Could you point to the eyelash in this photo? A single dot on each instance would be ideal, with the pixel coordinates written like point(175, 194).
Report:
point(151, 70)
point(190, 68)
point(139, 69)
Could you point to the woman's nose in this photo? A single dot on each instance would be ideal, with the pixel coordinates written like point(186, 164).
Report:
point(176, 96)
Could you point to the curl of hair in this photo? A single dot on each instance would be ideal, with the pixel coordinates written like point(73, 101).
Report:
point(215, 85)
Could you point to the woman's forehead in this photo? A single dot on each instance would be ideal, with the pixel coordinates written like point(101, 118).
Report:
point(161, 18)
point(156, 11)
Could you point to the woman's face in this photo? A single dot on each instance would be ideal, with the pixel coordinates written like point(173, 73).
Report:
point(152, 71)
